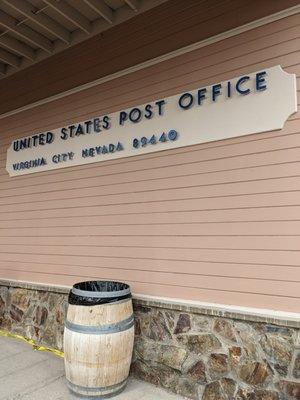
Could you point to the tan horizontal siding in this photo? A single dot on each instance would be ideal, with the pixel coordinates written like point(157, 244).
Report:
point(92, 217)
point(247, 285)
point(273, 199)
point(246, 242)
point(208, 294)
point(231, 229)
point(256, 274)
point(96, 196)
point(217, 222)
point(178, 176)
point(179, 257)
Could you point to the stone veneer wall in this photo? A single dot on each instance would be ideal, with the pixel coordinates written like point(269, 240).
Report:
point(199, 353)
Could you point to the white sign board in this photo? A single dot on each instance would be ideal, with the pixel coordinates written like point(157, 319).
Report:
point(258, 102)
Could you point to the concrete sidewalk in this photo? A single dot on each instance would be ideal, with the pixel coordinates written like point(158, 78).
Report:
point(26, 374)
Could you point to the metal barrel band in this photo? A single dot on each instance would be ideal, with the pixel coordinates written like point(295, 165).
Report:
point(104, 329)
point(100, 295)
point(98, 391)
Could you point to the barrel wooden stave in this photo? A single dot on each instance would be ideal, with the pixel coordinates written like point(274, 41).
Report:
point(100, 314)
point(98, 360)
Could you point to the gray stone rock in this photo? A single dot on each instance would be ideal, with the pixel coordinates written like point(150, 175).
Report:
point(269, 328)
point(60, 315)
point(158, 328)
point(143, 323)
point(235, 355)
point(183, 324)
point(200, 323)
point(146, 372)
point(265, 395)
point(244, 394)
point(163, 376)
point(172, 356)
point(16, 313)
point(59, 338)
point(43, 297)
point(2, 306)
point(53, 300)
point(138, 308)
point(5, 323)
point(41, 315)
point(20, 299)
point(257, 394)
point(29, 313)
point(145, 349)
point(201, 343)
point(4, 294)
point(154, 352)
point(290, 389)
point(197, 372)
point(224, 328)
point(137, 327)
point(296, 368)
point(249, 339)
point(254, 373)
point(187, 387)
point(171, 319)
point(281, 369)
point(49, 337)
point(218, 365)
point(224, 389)
point(32, 332)
point(277, 348)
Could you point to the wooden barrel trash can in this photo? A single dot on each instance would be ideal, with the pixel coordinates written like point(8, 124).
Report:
point(98, 338)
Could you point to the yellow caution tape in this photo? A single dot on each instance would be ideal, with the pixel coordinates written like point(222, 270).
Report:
point(34, 345)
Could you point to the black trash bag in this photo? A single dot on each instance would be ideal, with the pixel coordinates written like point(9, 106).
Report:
point(104, 290)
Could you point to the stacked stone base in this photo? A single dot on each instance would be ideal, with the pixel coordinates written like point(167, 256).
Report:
point(197, 353)
point(214, 358)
